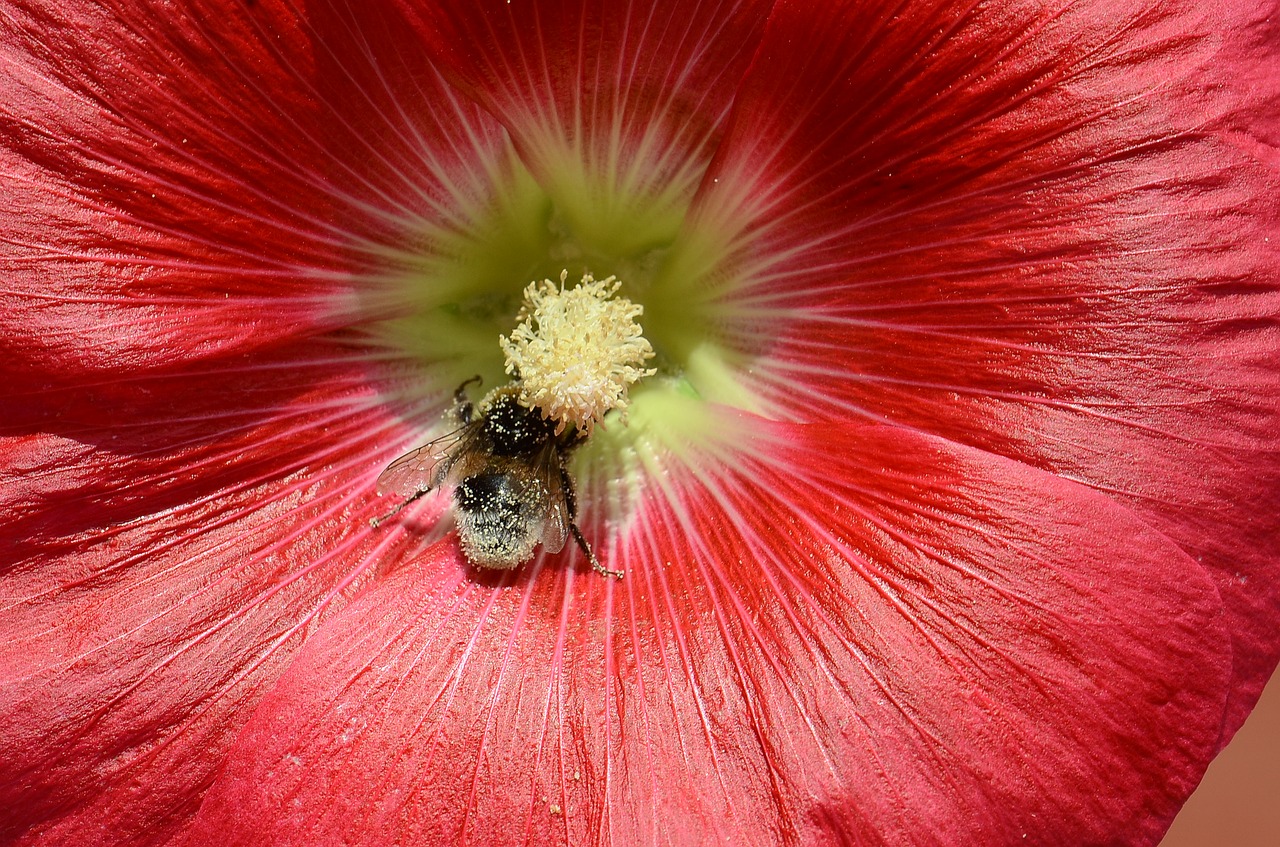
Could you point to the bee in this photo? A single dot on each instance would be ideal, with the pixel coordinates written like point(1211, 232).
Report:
point(511, 489)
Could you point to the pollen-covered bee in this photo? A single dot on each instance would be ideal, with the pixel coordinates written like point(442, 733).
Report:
point(511, 488)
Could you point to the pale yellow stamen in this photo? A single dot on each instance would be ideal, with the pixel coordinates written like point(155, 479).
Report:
point(576, 351)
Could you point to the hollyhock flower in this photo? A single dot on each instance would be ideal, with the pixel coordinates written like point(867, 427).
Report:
point(948, 517)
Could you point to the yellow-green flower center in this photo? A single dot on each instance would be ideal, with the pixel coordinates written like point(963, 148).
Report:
point(469, 309)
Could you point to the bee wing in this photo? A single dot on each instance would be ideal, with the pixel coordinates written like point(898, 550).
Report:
point(555, 525)
point(428, 466)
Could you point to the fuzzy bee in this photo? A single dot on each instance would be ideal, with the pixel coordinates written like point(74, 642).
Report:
point(511, 489)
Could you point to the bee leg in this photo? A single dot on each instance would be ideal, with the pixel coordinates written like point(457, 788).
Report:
point(571, 499)
point(381, 519)
point(462, 408)
point(591, 557)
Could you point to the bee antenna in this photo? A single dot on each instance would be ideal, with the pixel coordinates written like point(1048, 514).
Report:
point(591, 557)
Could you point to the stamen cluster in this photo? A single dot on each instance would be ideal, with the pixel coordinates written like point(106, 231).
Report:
point(576, 350)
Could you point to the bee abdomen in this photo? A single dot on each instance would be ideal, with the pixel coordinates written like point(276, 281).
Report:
point(497, 520)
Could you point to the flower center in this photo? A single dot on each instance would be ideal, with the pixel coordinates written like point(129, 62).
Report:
point(575, 350)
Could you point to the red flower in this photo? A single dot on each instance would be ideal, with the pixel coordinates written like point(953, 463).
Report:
point(950, 516)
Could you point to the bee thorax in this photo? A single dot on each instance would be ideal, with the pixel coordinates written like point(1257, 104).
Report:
point(514, 430)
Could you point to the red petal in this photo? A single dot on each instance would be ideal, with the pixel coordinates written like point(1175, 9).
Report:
point(615, 107)
point(186, 183)
point(1047, 230)
point(162, 567)
point(870, 636)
